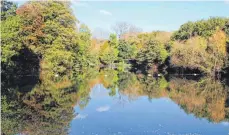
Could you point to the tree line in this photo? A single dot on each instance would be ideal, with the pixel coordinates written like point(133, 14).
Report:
point(49, 30)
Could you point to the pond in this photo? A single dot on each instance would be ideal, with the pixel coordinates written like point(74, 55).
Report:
point(106, 115)
point(114, 103)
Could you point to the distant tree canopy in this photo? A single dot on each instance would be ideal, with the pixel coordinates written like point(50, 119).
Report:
point(124, 29)
point(201, 45)
point(203, 28)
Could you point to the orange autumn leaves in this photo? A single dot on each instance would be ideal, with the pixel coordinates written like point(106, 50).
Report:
point(32, 24)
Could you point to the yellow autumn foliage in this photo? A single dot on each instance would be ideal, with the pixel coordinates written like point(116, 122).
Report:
point(208, 55)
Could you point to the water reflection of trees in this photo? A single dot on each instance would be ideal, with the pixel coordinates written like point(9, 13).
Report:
point(207, 98)
point(204, 98)
point(45, 106)
point(46, 109)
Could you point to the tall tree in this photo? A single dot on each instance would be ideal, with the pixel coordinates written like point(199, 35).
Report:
point(123, 29)
point(49, 29)
point(10, 27)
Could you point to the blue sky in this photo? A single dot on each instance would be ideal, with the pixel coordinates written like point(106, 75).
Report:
point(149, 16)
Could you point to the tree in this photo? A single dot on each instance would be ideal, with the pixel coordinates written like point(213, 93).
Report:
point(109, 51)
point(85, 56)
point(108, 54)
point(208, 56)
point(153, 52)
point(126, 50)
point(7, 9)
point(10, 26)
point(113, 41)
point(120, 28)
point(185, 31)
point(226, 28)
point(190, 54)
point(203, 28)
point(123, 29)
point(217, 50)
point(201, 45)
point(49, 27)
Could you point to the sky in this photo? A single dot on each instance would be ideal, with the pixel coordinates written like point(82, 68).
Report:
point(148, 15)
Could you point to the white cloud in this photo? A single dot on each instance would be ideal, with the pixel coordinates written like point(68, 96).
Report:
point(103, 109)
point(226, 2)
point(105, 12)
point(79, 4)
point(81, 116)
point(225, 123)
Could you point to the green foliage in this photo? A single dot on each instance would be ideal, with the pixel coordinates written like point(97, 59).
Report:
point(126, 50)
point(10, 40)
point(84, 58)
point(146, 48)
point(153, 52)
point(46, 108)
point(152, 84)
point(8, 9)
point(109, 51)
point(108, 54)
point(49, 29)
point(226, 28)
point(113, 41)
point(203, 28)
point(126, 80)
point(185, 31)
point(10, 27)
point(123, 66)
point(58, 60)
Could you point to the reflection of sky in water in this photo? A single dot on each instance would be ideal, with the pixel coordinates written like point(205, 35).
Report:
point(103, 108)
point(106, 115)
point(81, 116)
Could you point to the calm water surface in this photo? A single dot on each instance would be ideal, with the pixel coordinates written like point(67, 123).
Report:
point(106, 115)
point(112, 103)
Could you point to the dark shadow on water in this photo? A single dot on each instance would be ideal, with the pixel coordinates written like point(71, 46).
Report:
point(182, 70)
point(23, 75)
point(184, 76)
point(17, 79)
point(225, 76)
